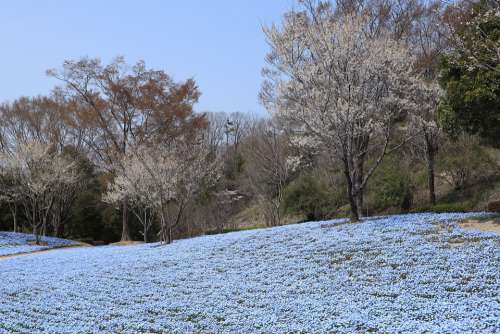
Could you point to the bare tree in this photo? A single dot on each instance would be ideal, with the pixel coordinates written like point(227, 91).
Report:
point(215, 132)
point(341, 83)
point(268, 167)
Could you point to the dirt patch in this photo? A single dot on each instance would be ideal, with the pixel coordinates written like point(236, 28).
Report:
point(491, 225)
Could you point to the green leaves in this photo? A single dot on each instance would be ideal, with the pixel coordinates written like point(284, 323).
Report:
point(470, 74)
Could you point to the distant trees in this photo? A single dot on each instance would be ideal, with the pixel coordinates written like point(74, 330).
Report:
point(341, 84)
point(120, 105)
point(36, 147)
point(347, 82)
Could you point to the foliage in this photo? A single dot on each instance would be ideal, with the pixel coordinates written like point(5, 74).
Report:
point(465, 162)
point(470, 74)
point(391, 186)
point(310, 196)
point(452, 207)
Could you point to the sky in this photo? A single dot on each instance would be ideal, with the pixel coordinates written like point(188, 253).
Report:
point(219, 43)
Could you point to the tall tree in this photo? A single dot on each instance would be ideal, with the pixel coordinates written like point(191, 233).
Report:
point(427, 37)
point(121, 105)
point(341, 84)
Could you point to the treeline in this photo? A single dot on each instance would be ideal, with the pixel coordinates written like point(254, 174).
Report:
point(375, 106)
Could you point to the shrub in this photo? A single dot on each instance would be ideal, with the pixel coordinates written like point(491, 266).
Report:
point(465, 162)
point(390, 186)
point(310, 196)
point(452, 207)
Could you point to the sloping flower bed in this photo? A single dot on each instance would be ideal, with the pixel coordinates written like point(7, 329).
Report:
point(12, 243)
point(400, 274)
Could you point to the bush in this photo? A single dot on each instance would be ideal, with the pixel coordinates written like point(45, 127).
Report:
point(465, 162)
point(390, 186)
point(452, 207)
point(310, 196)
point(445, 207)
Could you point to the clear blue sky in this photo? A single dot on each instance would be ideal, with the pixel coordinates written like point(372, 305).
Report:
point(217, 42)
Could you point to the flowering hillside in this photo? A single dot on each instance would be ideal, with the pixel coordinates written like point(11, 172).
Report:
point(399, 274)
point(12, 243)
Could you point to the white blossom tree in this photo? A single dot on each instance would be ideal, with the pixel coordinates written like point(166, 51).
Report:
point(427, 40)
point(133, 184)
point(474, 34)
point(162, 180)
point(39, 174)
point(422, 123)
point(340, 84)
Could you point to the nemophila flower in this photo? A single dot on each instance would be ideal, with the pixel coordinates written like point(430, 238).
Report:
point(12, 243)
point(395, 274)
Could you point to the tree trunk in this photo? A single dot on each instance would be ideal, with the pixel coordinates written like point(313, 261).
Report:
point(358, 182)
point(359, 203)
point(44, 227)
point(354, 207)
point(60, 230)
point(34, 224)
point(169, 235)
point(37, 237)
point(125, 230)
point(13, 211)
point(350, 194)
point(145, 234)
point(431, 161)
point(146, 226)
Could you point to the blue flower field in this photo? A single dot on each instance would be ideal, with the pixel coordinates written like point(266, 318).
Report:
point(12, 243)
point(417, 273)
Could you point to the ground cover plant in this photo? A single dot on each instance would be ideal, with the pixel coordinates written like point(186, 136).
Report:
point(417, 273)
point(12, 243)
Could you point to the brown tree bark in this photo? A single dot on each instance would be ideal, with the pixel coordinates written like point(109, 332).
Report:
point(358, 191)
point(351, 194)
point(431, 176)
point(125, 230)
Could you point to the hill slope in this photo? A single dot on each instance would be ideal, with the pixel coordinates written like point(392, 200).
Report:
point(407, 274)
point(12, 243)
